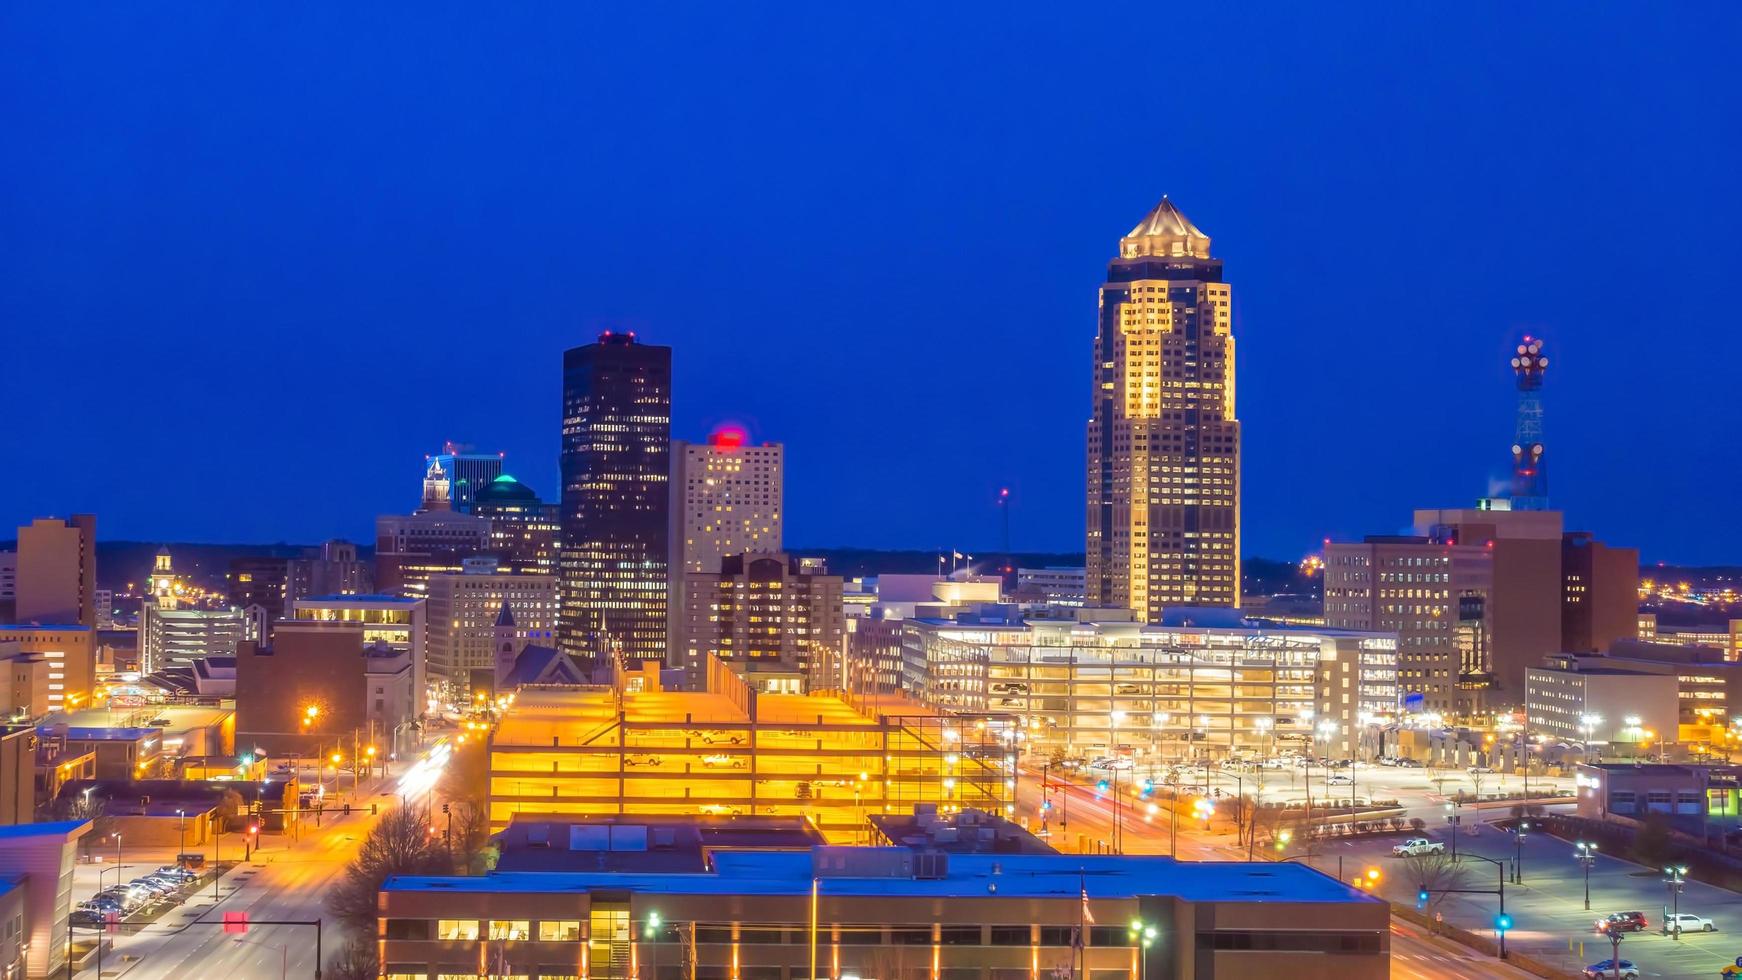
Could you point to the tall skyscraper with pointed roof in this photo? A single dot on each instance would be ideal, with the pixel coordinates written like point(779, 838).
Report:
point(1164, 442)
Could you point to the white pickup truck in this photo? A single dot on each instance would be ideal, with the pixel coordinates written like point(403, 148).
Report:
point(1417, 845)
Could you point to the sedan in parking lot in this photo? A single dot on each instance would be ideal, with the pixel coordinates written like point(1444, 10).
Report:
point(1606, 969)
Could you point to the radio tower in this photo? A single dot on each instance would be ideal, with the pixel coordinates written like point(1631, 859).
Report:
point(1529, 468)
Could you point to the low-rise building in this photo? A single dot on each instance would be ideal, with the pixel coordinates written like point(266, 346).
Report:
point(181, 636)
point(1202, 682)
point(39, 858)
point(319, 681)
point(888, 912)
point(72, 655)
point(400, 622)
point(1609, 703)
point(1695, 799)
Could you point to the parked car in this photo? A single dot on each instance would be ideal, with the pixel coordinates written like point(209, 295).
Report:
point(177, 871)
point(1623, 921)
point(89, 917)
point(1417, 845)
point(1479, 770)
point(1340, 780)
point(1606, 970)
point(631, 761)
point(1408, 764)
point(722, 762)
point(152, 889)
point(1687, 922)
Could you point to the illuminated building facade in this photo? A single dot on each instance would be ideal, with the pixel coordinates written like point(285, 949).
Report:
point(1434, 596)
point(177, 637)
point(410, 548)
point(71, 652)
point(729, 750)
point(1158, 691)
point(725, 500)
point(163, 586)
point(356, 687)
point(1164, 442)
point(525, 532)
point(398, 622)
point(616, 473)
point(57, 571)
point(465, 473)
point(1599, 593)
point(776, 620)
point(891, 913)
point(463, 610)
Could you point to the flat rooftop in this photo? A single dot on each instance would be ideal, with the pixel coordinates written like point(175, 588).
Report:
point(1049, 876)
point(538, 715)
point(181, 717)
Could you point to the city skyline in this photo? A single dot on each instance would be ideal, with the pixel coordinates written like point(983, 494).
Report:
point(1456, 226)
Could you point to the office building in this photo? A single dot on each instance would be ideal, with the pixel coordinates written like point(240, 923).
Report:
point(525, 532)
point(410, 548)
point(105, 608)
point(729, 749)
point(1436, 596)
point(1164, 441)
point(57, 572)
point(873, 655)
point(637, 905)
point(24, 682)
point(72, 655)
point(465, 473)
point(397, 622)
point(8, 585)
point(1215, 687)
point(180, 636)
point(463, 612)
point(1053, 585)
point(770, 618)
point(726, 499)
point(1578, 699)
point(361, 691)
point(1726, 636)
point(259, 582)
point(616, 471)
point(36, 895)
point(1600, 593)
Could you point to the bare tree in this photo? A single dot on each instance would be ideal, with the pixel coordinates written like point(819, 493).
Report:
point(1436, 873)
point(400, 844)
point(355, 960)
point(1477, 778)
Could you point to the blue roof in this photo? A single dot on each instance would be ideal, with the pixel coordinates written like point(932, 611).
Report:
point(1039, 876)
point(100, 734)
point(59, 828)
point(43, 626)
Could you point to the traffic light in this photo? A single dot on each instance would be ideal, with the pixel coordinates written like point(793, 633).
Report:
point(1421, 899)
point(1101, 786)
point(1502, 922)
point(1149, 785)
point(445, 808)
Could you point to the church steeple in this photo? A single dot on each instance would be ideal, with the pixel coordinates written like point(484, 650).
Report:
point(508, 641)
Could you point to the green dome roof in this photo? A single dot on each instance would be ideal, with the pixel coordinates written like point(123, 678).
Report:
point(505, 490)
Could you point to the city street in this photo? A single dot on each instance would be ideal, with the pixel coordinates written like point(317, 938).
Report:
point(1548, 909)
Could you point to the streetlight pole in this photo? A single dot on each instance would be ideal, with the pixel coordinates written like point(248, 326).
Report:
point(1523, 831)
point(1587, 856)
point(1142, 936)
point(182, 817)
point(1675, 878)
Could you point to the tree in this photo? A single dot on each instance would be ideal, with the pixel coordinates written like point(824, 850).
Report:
point(1651, 845)
point(1418, 825)
point(400, 844)
point(1437, 873)
point(1477, 778)
point(355, 960)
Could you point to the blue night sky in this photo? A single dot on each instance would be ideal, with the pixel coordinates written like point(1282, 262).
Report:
point(257, 260)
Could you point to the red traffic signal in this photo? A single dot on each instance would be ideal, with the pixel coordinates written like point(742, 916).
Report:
point(254, 828)
point(235, 922)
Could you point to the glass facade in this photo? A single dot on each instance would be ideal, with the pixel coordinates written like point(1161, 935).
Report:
point(616, 472)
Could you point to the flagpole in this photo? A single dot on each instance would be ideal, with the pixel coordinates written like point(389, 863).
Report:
point(1082, 910)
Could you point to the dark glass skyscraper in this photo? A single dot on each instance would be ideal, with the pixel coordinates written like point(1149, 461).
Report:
point(616, 471)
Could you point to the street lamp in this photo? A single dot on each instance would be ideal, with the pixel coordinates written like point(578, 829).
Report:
point(1142, 935)
point(1673, 879)
point(1454, 819)
point(1589, 724)
point(1518, 836)
point(1587, 856)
